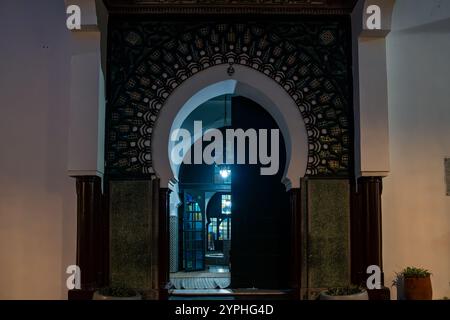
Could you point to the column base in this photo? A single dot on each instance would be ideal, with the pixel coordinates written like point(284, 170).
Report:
point(83, 294)
point(382, 294)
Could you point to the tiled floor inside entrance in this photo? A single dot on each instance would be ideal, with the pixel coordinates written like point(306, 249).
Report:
point(215, 277)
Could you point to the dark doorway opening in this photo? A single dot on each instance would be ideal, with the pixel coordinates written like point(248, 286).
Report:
point(233, 224)
point(260, 246)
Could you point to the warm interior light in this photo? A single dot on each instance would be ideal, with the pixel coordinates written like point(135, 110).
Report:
point(225, 172)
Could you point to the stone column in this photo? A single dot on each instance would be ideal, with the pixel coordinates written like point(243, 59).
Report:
point(86, 147)
point(371, 134)
point(163, 250)
point(296, 241)
point(92, 237)
point(366, 232)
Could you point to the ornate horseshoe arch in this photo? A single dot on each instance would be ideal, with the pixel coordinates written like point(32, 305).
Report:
point(308, 60)
point(216, 81)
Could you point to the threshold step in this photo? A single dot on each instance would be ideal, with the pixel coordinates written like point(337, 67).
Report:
point(228, 292)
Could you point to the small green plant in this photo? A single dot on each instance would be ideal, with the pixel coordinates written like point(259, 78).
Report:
point(398, 280)
point(346, 291)
point(410, 272)
point(413, 272)
point(117, 292)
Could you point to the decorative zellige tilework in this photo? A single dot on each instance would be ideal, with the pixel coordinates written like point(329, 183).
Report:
point(148, 60)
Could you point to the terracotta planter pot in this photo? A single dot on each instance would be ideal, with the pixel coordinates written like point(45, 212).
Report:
point(359, 296)
point(418, 288)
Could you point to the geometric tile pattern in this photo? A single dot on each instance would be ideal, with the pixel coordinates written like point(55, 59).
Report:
point(308, 58)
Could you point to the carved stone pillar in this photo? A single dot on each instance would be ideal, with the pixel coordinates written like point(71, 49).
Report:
point(296, 240)
point(366, 232)
point(163, 250)
point(86, 146)
point(92, 237)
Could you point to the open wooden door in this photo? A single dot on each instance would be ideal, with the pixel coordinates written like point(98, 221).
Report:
point(260, 214)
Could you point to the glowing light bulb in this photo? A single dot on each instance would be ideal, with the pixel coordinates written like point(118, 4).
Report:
point(224, 173)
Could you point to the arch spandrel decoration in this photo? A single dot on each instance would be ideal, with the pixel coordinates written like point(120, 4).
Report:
point(148, 60)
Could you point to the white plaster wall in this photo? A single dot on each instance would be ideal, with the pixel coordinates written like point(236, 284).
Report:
point(37, 198)
point(416, 211)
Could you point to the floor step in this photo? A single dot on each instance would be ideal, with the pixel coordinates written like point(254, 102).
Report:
point(230, 294)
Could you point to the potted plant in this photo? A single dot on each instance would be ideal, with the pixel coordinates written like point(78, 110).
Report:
point(116, 293)
point(347, 293)
point(415, 282)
